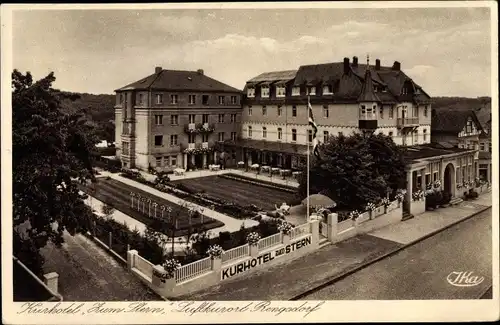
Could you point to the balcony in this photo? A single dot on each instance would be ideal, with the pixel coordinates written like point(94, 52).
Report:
point(368, 124)
point(204, 145)
point(191, 146)
point(408, 122)
point(192, 126)
point(199, 128)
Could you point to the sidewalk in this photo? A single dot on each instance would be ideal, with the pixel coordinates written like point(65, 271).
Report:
point(288, 280)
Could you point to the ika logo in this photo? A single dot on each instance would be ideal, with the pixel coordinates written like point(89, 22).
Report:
point(464, 279)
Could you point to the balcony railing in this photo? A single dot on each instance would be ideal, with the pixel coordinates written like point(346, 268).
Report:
point(199, 128)
point(204, 145)
point(191, 126)
point(191, 145)
point(410, 121)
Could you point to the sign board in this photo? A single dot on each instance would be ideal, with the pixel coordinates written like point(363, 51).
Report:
point(264, 258)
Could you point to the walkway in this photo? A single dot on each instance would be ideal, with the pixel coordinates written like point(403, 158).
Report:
point(88, 273)
point(288, 280)
point(230, 224)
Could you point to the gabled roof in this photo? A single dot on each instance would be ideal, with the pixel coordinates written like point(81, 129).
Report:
point(452, 121)
point(274, 76)
point(484, 116)
point(179, 80)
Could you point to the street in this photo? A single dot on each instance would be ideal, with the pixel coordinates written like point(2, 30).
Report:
point(421, 271)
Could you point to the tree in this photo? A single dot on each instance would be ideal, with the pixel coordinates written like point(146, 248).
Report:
point(355, 170)
point(107, 210)
point(51, 153)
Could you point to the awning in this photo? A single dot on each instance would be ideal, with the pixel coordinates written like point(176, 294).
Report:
point(280, 147)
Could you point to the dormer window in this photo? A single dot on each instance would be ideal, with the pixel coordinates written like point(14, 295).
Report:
point(296, 91)
point(280, 91)
point(384, 89)
point(375, 89)
point(264, 91)
point(251, 92)
point(417, 91)
point(327, 90)
point(404, 91)
point(311, 91)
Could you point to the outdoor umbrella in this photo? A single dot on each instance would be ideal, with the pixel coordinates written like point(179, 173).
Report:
point(319, 200)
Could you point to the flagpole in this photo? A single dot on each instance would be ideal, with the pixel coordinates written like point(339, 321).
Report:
point(307, 169)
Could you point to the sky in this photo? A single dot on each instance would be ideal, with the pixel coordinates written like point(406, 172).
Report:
point(445, 50)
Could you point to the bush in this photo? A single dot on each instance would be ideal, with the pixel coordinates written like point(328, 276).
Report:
point(431, 201)
point(446, 198)
point(473, 195)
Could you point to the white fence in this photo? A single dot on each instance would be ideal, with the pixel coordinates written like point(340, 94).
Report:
point(143, 265)
point(192, 270)
point(300, 230)
point(270, 241)
point(235, 253)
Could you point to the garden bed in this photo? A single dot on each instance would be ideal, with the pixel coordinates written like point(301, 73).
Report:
point(260, 182)
point(117, 195)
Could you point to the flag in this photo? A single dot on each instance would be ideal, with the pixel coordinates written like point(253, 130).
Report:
point(314, 129)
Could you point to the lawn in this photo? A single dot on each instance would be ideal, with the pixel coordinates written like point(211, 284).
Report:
point(239, 192)
point(117, 194)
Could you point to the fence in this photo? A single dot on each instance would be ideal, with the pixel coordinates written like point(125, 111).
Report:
point(323, 229)
point(143, 265)
point(235, 253)
point(299, 231)
point(192, 270)
point(270, 241)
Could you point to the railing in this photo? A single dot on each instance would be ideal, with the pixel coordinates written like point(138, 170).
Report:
point(192, 126)
point(270, 241)
point(408, 121)
point(143, 265)
point(191, 145)
point(300, 230)
point(235, 253)
point(192, 270)
point(204, 145)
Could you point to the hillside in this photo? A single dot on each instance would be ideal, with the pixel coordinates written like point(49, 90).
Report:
point(460, 102)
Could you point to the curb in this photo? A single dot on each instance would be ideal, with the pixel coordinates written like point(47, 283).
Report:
point(381, 257)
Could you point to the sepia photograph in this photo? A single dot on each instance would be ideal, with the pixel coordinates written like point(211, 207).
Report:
point(274, 161)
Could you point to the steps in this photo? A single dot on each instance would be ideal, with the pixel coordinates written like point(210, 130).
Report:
point(456, 201)
point(407, 216)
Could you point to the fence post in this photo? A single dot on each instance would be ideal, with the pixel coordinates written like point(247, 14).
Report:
point(128, 247)
point(285, 238)
point(254, 250)
point(110, 239)
point(315, 231)
point(216, 264)
point(130, 258)
point(51, 280)
point(332, 222)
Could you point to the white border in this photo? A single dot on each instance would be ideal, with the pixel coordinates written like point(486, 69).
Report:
point(332, 311)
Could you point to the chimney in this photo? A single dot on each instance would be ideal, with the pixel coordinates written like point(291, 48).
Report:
point(346, 65)
point(158, 70)
point(396, 66)
point(200, 71)
point(354, 61)
point(377, 64)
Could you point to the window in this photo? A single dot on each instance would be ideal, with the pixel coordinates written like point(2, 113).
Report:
point(221, 118)
point(415, 136)
point(381, 112)
point(469, 126)
point(191, 138)
point(341, 134)
point(249, 131)
point(489, 147)
point(249, 110)
point(426, 110)
point(204, 137)
point(204, 99)
point(264, 91)
point(233, 100)
point(158, 161)
point(173, 99)
point(280, 91)
point(415, 111)
point(192, 118)
point(174, 119)
point(158, 119)
point(294, 111)
point(482, 146)
point(264, 132)
point(221, 136)
point(427, 179)
point(121, 99)
point(233, 136)
point(435, 176)
point(221, 100)
point(391, 134)
point(125, 148)
point(264, 110)
point(391, 112)
point(173, 140)
point(325, 136)
point(295, 91)
point(280, 133)
point(404, 91)
point(233, 118)
point(158, 140)
point(140, 100)
point(311, 91)
point(325, 111)
point(294, 135)
point(166, 161)
point(375, 89)
point(309, 136)
point(251, 92)
point(327, 90)
point(280, 110)
point(159, 99)
point(173, 161)
point(192, 99)
point(425, 135)
point(204, 118)
point(384, 89)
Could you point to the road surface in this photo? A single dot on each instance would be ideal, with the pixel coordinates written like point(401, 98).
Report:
point(421, 271)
